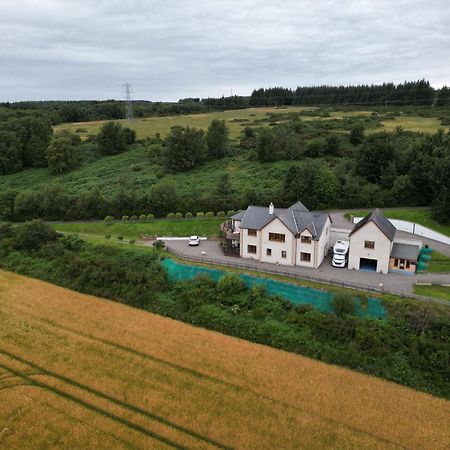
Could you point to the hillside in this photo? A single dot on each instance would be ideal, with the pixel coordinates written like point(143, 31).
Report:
point(78, 371)
point(135, 171)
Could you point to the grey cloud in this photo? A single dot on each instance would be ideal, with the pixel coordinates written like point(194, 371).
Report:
point(58, 49)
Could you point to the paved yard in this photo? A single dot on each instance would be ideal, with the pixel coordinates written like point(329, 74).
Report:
point(210, 252)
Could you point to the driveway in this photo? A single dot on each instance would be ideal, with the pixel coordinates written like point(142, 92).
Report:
point(210, 252)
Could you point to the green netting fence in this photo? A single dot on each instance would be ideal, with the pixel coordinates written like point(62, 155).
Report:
point(298, 295)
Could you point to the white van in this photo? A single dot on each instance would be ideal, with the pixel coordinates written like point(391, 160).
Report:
point(340, 253)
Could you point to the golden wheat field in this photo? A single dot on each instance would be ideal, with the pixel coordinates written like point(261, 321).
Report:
point(81, 372)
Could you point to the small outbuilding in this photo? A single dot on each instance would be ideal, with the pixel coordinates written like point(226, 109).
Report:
point(404, 257)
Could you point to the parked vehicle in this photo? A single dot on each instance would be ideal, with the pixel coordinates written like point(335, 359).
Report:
point(194, 240)
point(340, 253)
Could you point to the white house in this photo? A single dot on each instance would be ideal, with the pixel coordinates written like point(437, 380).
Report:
point(371, 242)
point(292, 236)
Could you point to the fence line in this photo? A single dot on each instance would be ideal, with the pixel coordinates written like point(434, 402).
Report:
point(306, 277)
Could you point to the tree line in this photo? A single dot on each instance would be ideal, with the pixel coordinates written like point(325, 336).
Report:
point(416, 93)
point(409, 348)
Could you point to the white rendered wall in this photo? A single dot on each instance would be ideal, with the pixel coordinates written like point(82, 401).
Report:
point(381, 252)
point(276, 226)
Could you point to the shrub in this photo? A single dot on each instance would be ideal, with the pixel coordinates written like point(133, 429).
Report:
point(142, 217)
point(343, 305)
point(125, 218)
point(178, 215)
point(188, 215)
point(136, 167)
point(200, 214)
point(150, 217)
point(159, 245)
point(134, 218)
point(32, 235)
point(230, 284)
point(108, 219)
point(132, 241)
point(170, 215)
point(221, 214)
point(231, 212)
point(120, 238)
point(108, 236)
point(209, 214)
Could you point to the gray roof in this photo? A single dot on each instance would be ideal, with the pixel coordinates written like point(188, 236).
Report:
point(405, 251)
point(239, 215)
point(378, 218)
point(297, 218)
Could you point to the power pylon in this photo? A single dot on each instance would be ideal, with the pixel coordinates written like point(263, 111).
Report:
point(128, 101)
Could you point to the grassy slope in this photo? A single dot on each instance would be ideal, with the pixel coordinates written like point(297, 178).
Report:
point(109, 172)
point(93, 358)
point(200, 227)
point(442, 292)
point(421, 216)
point(439, 263)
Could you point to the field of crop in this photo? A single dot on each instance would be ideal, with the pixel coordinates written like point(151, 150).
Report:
point(81, 372)
point(129, 230)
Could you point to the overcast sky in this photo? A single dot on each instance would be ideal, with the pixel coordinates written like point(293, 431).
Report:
point(86, 49)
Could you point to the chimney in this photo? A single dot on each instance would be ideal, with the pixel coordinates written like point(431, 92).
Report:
point(271, 208)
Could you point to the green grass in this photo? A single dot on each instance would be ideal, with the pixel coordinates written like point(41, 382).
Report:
point(414, 123)
point(434, 291)
point(200, 227)
point(439, 263)
point(421, 216)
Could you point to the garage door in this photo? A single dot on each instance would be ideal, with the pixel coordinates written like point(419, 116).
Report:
point(368, 265)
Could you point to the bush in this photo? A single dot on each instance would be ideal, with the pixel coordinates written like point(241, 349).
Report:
point(132, 241)
point(221, 214)
point(32, 235)
point(150, 217)
point(200, 214)
point(108, 219)
point(209, 214)
point(231, 212)
point(170, 215)
point(134, 218)
point(125, 218)
point(178, 215)
point(108, 236)
point(188, 215)
point(120, 238)
point(159, 245)
point(343, 305)
point(142, 217)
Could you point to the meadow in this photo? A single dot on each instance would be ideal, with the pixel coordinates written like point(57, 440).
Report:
point(81, 372)
point(237, 119)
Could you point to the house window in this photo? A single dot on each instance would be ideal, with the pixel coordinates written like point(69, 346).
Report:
point(283, 253)
point(277, 237)
point(369, 244)
point(305, 257)
point(396, 262)
point(408, 264)
point(269, 252)
point(305, 239)
point(251, 248)
point(251, 232)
